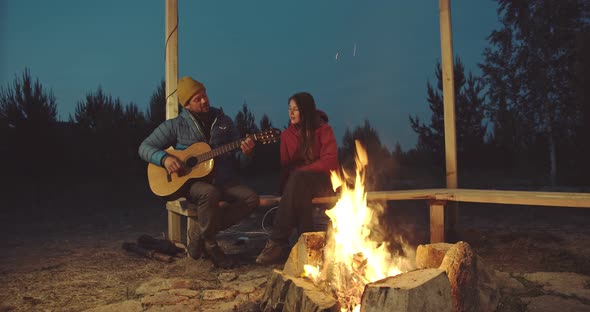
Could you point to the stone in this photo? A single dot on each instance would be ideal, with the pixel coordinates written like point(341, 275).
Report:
point(256, 296)
point(242, 289)
point(508, 283)
point(184, 292)
point(415, 291)
point(553, 303)
point(204, 284)
point(171, 308)
point(248, 307)
point(217, 294)
point(162, 298)
point(176, 283)
point(309, 249)
point(158, 284)
point(227, 277)
point(430, 256)
point(129, 305)
point(487, 287)
point(229, 306)
point(288, 293)
point(245, 287)
point(255, 273)
point(564, 283)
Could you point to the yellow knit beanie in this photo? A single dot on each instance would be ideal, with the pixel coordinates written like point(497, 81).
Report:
point(187, 87)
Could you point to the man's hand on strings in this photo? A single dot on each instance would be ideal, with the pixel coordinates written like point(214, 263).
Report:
point(172, 164)
point(247, 146)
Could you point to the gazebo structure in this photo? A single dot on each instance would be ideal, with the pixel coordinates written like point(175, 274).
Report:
point(442, 202)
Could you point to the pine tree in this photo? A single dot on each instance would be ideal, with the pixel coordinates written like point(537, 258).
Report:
point(469, 110)
point(380, 168)
point(245, 121)
point(530, 69)
point(157, 111)
point(27, 106)
point(28, 119)
point(265, 123)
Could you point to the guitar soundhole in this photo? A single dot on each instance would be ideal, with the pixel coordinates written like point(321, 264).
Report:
point(192, 161)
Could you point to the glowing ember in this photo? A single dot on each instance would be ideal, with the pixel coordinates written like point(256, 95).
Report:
point(351, 258)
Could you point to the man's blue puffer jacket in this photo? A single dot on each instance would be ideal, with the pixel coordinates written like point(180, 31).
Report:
point(183, 131)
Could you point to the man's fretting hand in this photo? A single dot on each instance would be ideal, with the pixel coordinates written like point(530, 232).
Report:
point(247, 146)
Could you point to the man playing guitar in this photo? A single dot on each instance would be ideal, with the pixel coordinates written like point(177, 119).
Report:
point(198, 122)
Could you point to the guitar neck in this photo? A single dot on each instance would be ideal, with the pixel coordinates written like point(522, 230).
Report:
point(220, 150)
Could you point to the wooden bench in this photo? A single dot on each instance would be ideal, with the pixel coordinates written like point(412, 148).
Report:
point(437, 200)
point(182, 207)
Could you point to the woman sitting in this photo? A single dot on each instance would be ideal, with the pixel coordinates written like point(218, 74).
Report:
point(308, 153)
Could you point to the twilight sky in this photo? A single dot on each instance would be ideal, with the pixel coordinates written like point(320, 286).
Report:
point(258, 52)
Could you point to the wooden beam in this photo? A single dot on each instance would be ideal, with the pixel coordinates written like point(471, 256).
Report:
point(387, 195)
point(171, 63)
point(174, 227)
point(448, 81)
point(556, 199)
point(182, 207)
point(437, 221)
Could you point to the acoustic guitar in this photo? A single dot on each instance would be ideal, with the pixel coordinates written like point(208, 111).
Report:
point(197, 162)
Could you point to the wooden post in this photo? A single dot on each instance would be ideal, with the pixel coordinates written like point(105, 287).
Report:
point(171, 42)
point(446, 44)
point(174, 227)
point(437, 221)
point(171, 69)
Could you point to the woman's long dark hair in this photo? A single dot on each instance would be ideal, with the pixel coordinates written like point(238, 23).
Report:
point(308, 123)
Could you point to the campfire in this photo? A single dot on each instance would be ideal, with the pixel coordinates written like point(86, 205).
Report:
point(349, 268)
point(352, 257)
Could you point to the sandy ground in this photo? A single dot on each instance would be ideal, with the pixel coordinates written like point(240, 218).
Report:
point(61, 245)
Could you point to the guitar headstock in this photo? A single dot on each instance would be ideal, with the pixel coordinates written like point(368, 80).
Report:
point(271, 135)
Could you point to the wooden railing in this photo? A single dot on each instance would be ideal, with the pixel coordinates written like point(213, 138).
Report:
point(439, 198)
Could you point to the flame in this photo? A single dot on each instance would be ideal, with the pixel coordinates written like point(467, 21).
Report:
point(352, 258)
point(312, 272)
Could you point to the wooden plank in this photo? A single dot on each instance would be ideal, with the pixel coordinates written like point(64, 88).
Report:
point(269, 200)
point(580, 200)
point(174, 230)
point(437, 222)
point(182, 207)
point(424, 194)
point(556, 199)
point(186, 208)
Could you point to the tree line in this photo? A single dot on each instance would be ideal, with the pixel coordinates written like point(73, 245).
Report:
point(528, 111)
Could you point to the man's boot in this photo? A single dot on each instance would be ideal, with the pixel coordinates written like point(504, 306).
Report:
point(273, 253)
point(217, 256)
point(195, 243)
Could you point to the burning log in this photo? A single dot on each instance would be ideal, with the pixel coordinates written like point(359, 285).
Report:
point(473, 285)
point(430, 256)
point(421, 290)
point(309, 250)
point(287, 293)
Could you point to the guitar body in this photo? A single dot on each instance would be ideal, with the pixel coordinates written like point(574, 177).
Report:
point(164, 185)
point(197, 162)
